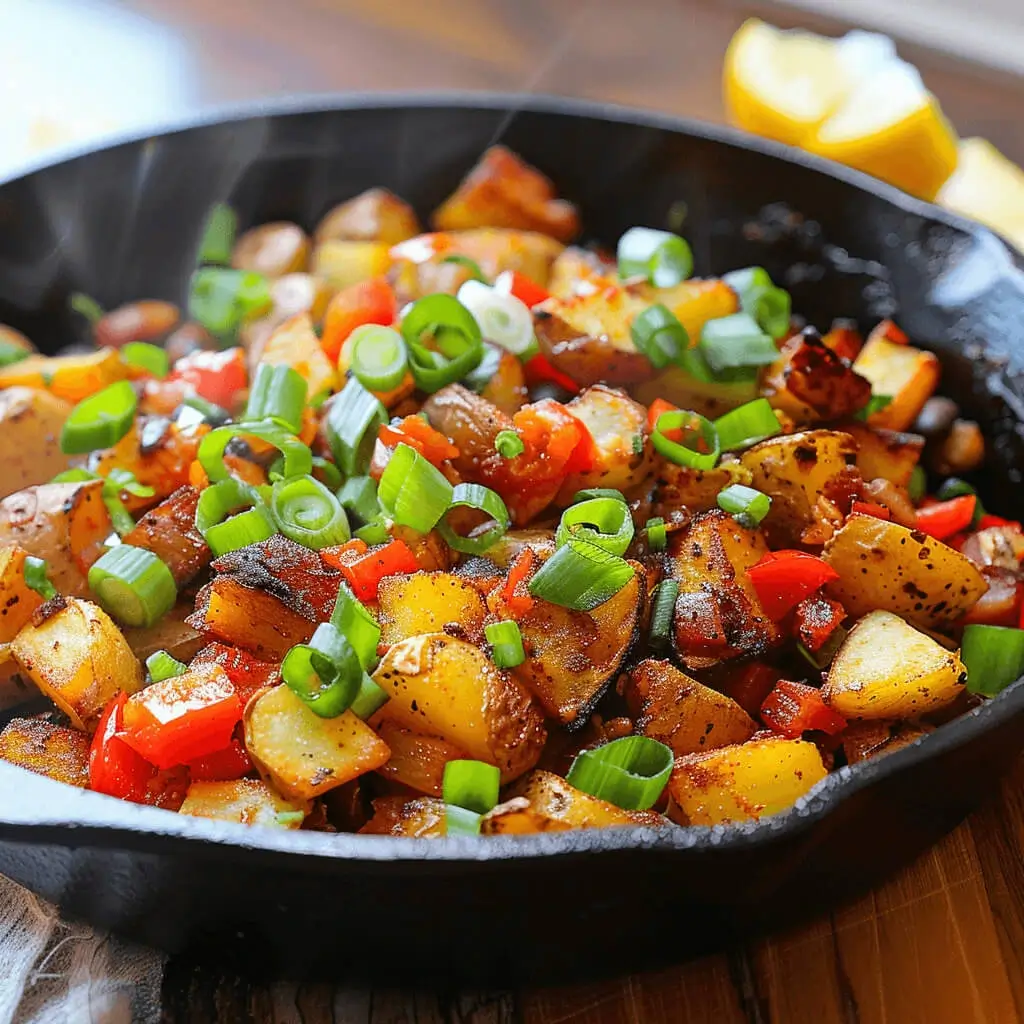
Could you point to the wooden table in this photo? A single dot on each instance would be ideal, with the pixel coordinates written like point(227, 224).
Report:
point(943, 941)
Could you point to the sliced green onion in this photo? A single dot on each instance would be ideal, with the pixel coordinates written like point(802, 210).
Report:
point(370, 699)
point(876, 403)
point(473, 785)
point(483, 373)
point(954, 487)
point(413, 492)
point(455, 335)
point(288, 818)
point(151, 358)
point(358, 497)
point(34, 570)
point(377, 357)
point(508, 444)
point(657, 534)
point(598, 492)
point(223, 531)
point(822, 657)
point(298, 459)
point(87, 306)
point(351, 427)
point(506, 643)
point(133, 585)
point(503, 319)
point(700, 446)
point(352, 619)
point(630, 772)
point(375, 532)
point(917, 488)
point(325, 673)
point(218, 236)
point(222, 299)
point(993, 657)
point(745, 504)
point(605, 522)
point(208, 412)
point(278, 393)
point(308, 513)
point(658, 334)
point(470, 264)
point(100, 420)
point(116, 481)
point(483, 499)
point(663, 258)
point(160, 665)
point(581, 576)
point(460, 822)
point(769, 305)
point(734, 342)
point(663, 612)
point(324, 470)
point(746, 425)
point(11, 353)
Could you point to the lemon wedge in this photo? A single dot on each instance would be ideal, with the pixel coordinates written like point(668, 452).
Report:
point(987, 187)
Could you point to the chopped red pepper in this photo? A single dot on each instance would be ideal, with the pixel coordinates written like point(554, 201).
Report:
point(890, 332)
point(657, 409)
point(944, 518)
point(184, 718)
point(114, 767)
point(816, 619)
point(751, 685)
point(538, 370)
point(417, 433)
point(870, 508)
point(231, 762)
point(794, 708)
point(988, 520)
point(216, 376)
point(247, 673)
point(527, 290)
point(364, 569)
point(367, 302)
point(783, 579)
point(512, 592)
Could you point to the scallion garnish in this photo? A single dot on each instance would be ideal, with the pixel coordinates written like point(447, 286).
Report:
point(661, 257)
point(308, 513)
point(470, 264)
point(460, 822)
point(876, 403)
point(413, 492)
point(657, 534)
point(370, 699)
point(222, 299)
point(160, 665)
point(100, 420)
point(663, 611)
point(503, 319)
point(443, 339)
point(954, 487)
point(324, 674)
point(151, 358)
point(993, 657)
point(223, 523)
point(658, 334)
point(745, 504)
point(598, 492)
point(508, 444)
point(605, 522)
point(822, 657)
point(298, 459)
point(769, 305)
point(581, 576)
point(34, 570)
point(377, 357)
point(357, 625)
point(699, 446)
point(630, 772)
point(278, 394)
point(473, 785)
point(375, 532)
point(133, 585)
point(746, 425)
point(218, 236)
point(483, 499)
point(736, 342)
point(87, 306)
point(917, 487)
point(358, 497)
point(202, 412)
point(351, 427)
point(506, 643)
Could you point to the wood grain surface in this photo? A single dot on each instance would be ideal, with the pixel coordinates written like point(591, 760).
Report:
point(943, 941)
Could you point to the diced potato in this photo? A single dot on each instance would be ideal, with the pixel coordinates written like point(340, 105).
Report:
point(171, 633)
point(342, 263)
point(294, 343)
point(516, 817)
point(169, 531)
point(908, 375)
point(416, 761)
point(681, 487)
point(572, 657)
point(303, 754)
point(798, 471)
point(298, 293)
point(449, 688)
point(507, 387)
point(245, 801)
point(66, 524)
point(676, 710)
point(618, 427)
point(578, 272)
point(884, 565)
point(709, 398)
point(272, 249)
point(79, 659)
point(30, 424)
point(869, 738)
point(508, 549)
point(70, 378)
point(375, 215)
point(751, 780)
point(888, 669)
point(888, 454)
point(47, 749)
point(427, 603)
point(17, 599)
point(422, 818)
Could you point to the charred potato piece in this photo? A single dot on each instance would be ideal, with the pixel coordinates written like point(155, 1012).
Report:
point(888, 454)
point(294, 343)
point(906, 374)
point(676, 710)
point(506, 388)
point(683, 487)
point(169, 531)
point(422, 818)
point(344, 263)
point(272, 249)
point(738, 783)
point(146, 320)
point(429, 603)
point(578, 272)
point(47, 749)
point(416, 761)
point(888, 669)
point(70, 378)
point(883, 565)
point(30, 424)
point(17, 599)
point(375, 215)
point(873, 738)
point(469, 421)
point(449, 688)
point(245, 801)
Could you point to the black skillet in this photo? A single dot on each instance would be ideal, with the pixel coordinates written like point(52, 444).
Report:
point(124, 222)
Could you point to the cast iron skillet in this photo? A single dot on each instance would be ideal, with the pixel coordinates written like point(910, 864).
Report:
point(124, 222)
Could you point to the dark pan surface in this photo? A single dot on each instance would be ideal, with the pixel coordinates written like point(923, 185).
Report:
point(124, 222)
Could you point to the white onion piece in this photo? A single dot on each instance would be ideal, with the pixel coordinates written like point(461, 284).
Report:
point(502, 317)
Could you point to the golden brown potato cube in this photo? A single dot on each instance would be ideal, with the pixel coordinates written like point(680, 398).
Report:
point(883, 565)
point(47, 749)
point(446, 687)
point(681, 487)
point(17, 599)
point(298, 293)
point(869, 738)
point(294, 343)
point(303, 754)
point(70, 378)
point(889, 454)
point(750, 780)
point(375, 215)
point(416, 761)
point(888, 669)
point(169, 531)
point(516, 817)
point(578, 272)
point(429, 603)
point(245, 801)
point(422, 818)
point(272, 249)
point(30, 424)
point(906, 374)
point(78, 658)
point(674, 709)
point(341, 264)
point(503, 191)
point(507, 387)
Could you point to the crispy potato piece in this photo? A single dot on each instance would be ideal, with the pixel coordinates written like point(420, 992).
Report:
point(469, 421)
point(422, 818)
point(868, 738)
point(718, 613)
point(798, 472)
point(66, 524)
point(578, 272)
point(375, 215)
point(505, 192)
point(449, 688)
point(507, 387)
point(434, 602)
point(272, 249)
point(750, 780)
point(430, 550)
point(908, 375)
point(343, 263)
point(888, 454)
point(888, 669)
point(416, 761)
point(245, 801)
point(70, 378)
point(30, 424)
point(78, 658)
point(303, 754)
point(169, 531)
point(681, 487)
point(618, 427)
point(294, 343)
point(676, 710)
point(47, 749)
point(516, 817)
point(507, 550)
point(572, 657)
point(17, 599)
point(884, 565)
point(172, 634)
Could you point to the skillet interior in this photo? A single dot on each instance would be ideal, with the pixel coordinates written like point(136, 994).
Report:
point(124, 223)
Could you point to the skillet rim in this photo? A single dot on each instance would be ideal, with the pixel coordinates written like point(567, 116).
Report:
point(84, 818)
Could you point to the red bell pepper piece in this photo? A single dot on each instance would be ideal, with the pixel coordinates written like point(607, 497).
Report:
point(417, 433)
point(367, 302)
point(247, 673)
point(793, 709)
point(539, 370)
point(988, 520)
point(944, 518)
point(751, 685)
point(526, 290)
point(656, 410)
point(783, 579)
point(552, 434)
point(513, 593)
point(114, 767)
point(363, 569)
point(816, 619)
point(870, 508)
point(216, 376)
point(225, 765)
point(184, 718)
